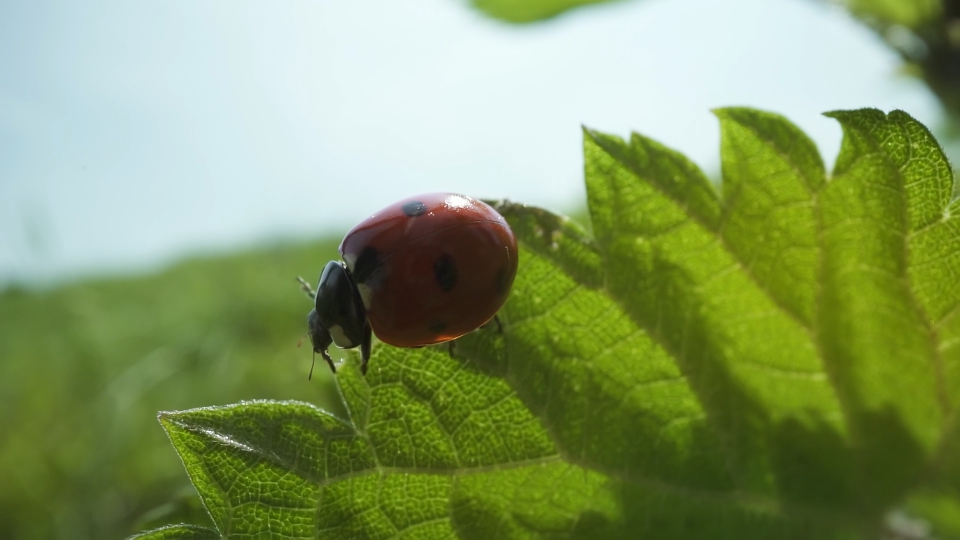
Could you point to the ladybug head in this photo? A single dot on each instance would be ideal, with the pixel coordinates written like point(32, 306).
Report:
point(338, 315)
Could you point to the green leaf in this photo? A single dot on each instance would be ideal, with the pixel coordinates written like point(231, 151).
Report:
point(526, 11)
point(776, 358)
point(713, 306)
point(432, 446)
point(869, 357)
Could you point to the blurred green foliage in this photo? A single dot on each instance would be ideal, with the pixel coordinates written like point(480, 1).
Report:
point(926, 34)
point(908, 13)
point(84, 369)
point(526, 11)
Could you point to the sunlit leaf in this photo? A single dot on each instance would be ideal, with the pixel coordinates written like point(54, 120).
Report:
point(432, 446)
point(778, 357)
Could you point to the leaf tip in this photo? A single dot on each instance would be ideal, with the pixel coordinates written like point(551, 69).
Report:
point(734, 114)
point(901, 115)
point(842, 114)
point(167, 419)
point(721, 112)
point(746, 115)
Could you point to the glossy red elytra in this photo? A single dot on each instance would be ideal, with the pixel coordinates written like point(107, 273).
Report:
point(425, 270)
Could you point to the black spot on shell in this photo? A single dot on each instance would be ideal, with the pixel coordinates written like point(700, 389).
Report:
point(414, 209)
point(502, 281)
point(367, 263)
point(445, 272)
point(436, 328)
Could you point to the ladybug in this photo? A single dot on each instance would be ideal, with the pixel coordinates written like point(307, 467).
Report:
point(424, 270)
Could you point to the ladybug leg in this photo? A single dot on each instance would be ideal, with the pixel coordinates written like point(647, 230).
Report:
point(451, 347)
point(321, 340)
point(326, 356)
point(306, 288)
point(496, 320)
point(365, 348)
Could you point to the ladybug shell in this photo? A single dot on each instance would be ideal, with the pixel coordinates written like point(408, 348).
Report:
point(431, 268)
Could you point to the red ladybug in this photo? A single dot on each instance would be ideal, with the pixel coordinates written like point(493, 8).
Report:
point(425, 270)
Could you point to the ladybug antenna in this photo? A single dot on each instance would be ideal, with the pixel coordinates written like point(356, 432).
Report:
point(313, 363)
point(306, 288)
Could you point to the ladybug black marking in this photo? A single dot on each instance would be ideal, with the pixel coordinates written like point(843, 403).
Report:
point(445, 272)
point(414, 209)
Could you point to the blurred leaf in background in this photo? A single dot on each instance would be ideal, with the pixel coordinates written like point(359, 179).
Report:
point(926, 33)
point(908, 13)
point(525, 11)
point(86, 367)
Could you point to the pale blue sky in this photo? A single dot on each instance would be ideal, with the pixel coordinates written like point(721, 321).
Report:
point(136, 133)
